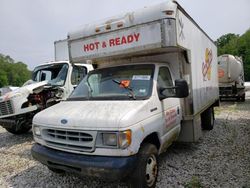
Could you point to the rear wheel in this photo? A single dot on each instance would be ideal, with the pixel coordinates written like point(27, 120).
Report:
point(207, 119)
point(20, 127)
point(146, 172)
point(243, 97)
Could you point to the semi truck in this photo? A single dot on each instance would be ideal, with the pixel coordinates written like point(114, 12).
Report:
point(231, 77)
point(51, 82)
point(156, 82)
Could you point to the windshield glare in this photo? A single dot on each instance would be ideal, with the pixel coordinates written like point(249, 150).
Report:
point(55, 74)
point(122, 82)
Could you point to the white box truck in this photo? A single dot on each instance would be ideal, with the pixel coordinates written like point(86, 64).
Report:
point(156, 82)
point(231, 77)
point(61, 50)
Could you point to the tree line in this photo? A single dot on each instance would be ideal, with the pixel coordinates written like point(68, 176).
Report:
point(236, 45)
point(16, 73)
point(12, 73)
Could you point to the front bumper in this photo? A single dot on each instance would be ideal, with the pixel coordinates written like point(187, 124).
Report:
point(111, 168)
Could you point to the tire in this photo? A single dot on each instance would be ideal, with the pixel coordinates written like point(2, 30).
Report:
point(207, 119)
point(243, 97)
point(146, 171)
point(55, 170)
point(19, 128)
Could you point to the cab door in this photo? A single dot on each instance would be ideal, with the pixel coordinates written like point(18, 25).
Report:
point(170, 106)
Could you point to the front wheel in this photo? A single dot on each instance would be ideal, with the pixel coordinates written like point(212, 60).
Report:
point(146, 172)
point(20, 127)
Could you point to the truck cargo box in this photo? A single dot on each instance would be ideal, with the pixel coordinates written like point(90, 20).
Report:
point(160, 29)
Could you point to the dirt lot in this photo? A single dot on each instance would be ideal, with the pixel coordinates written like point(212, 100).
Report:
point(220, 159)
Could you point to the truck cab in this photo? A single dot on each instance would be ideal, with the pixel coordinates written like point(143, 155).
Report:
point(110, 115)
point(51, 82)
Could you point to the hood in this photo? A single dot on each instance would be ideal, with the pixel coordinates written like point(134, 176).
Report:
point(93, 114)
point(25, 90)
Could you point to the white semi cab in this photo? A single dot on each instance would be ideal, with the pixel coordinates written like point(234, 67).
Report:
point(51, 82)
point(156, 82)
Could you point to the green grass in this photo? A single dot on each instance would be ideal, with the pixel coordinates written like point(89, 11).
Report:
point(193, 183)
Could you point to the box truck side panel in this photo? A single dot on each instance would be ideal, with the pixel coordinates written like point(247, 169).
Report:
point(137, 38)
point(61, 50)
point(203, 59)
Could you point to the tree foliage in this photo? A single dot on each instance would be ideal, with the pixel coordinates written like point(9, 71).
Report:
point(12, 73)
point(236, 45)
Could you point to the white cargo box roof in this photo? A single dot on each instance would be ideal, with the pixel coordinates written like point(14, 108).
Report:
point(145, 15)
point(124, 34)
point(150, 30)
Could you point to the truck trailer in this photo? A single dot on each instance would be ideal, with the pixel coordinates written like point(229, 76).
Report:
point(231, 77)
point(156, 82)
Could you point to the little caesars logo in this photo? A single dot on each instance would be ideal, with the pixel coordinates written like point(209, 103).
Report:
point(207, 65)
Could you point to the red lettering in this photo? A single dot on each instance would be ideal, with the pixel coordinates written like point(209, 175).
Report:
point(117, 41)
point(137, 36)
point(97, 45)
point(86, 47)
point(111, 42)
point(123, 41)
point(130, 38)
point(104, 44)
point(91, 46)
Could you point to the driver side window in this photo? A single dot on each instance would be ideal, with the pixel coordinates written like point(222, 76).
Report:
point(78, 74)
point(164, 80)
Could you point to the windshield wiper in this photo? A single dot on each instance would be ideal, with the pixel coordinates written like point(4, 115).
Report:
point(130, 90)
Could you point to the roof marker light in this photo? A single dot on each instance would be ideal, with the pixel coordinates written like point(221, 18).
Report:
point(169, 12)
point(120, 24)
point(97, 30)
point(108, 27)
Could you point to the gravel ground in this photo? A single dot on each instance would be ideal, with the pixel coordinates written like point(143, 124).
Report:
point(221, 158)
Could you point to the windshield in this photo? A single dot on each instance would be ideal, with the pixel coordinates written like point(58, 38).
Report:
point(129, 82)
point(55, 74)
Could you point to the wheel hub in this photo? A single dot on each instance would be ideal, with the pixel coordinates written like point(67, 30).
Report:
point(151, 170)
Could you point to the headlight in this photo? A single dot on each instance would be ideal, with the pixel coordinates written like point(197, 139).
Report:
point(109, 139)
point(114, 139)
point(37, 131)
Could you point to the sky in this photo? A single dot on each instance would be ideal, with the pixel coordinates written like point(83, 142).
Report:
point(28, 28)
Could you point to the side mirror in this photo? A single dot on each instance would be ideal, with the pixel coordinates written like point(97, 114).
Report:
point(181, 88)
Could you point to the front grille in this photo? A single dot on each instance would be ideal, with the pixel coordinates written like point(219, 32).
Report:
point(6, 108)
point(83, 141)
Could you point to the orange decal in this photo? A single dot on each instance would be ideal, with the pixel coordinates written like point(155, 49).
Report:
point(124, 83)
point(221, 73)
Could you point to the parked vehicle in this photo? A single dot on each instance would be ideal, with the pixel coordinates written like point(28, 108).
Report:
point(156, 82)
point(231, 77)
point(51, 83)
